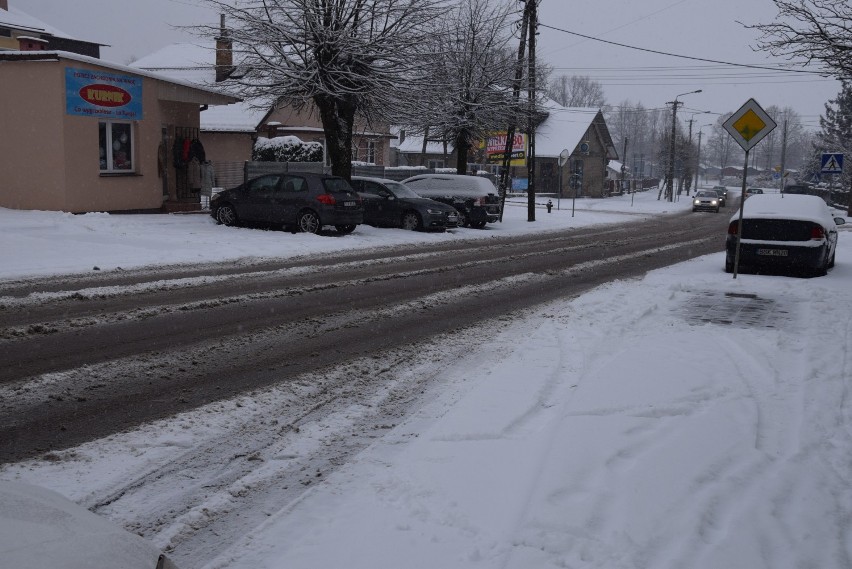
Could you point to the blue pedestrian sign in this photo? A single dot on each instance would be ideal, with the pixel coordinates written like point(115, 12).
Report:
point(831, 163)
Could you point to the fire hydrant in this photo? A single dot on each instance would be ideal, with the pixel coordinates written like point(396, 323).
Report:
point(549, 206)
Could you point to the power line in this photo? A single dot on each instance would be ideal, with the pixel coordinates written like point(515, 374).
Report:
point(746, 65)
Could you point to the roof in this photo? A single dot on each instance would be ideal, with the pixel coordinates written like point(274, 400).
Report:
point(18, 20)
point(187, 92)
point(195, 63)
point(565, 128)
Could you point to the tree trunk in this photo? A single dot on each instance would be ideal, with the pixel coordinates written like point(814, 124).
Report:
point(461, 154)
point(338, 119)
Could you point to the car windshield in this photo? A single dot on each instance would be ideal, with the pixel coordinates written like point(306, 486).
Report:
point(706, 194)
point(336, 185)
point(400, 190)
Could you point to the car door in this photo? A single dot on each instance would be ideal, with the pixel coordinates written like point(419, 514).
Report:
point(257, 199)
point(292, 197)
point(387, 206)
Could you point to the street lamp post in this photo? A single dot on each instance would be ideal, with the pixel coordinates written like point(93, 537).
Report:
point(670, 169)
point(698, 155)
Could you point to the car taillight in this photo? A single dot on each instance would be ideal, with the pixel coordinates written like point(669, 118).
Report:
point(817, 232)
point(479, 201)
point(326, 199)
point(732, 228)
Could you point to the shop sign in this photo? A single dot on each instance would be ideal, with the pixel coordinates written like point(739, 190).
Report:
point(102, 94)
point(495, 149)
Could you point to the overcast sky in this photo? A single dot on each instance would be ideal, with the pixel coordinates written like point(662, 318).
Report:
point(697, 28)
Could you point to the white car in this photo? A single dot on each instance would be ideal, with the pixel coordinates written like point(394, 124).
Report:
point(40, 529)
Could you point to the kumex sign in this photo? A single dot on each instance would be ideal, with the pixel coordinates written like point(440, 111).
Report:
point(102, 94)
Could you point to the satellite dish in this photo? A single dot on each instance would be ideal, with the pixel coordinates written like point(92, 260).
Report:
point(563, 157)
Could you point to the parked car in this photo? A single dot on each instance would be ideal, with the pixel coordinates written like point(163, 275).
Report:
point(705, 200)
point(753, 192)
point(474, 197)
point(790, 232)
point(303, 202)
point(388, 203)
point(44, 530)
point(722, 192)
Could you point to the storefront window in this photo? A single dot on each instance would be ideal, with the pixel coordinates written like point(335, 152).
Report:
point(115, 146)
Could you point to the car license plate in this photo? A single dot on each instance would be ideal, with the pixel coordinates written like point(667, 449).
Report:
point(348, 204)
point(773, 252)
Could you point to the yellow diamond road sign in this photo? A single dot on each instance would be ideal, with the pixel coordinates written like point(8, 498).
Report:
point(749, 125)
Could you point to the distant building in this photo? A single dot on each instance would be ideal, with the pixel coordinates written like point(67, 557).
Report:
point(20, 31)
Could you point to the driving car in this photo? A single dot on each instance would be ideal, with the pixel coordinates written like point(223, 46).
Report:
point(388, 203)
point(44, 530)
point(753, 192)
point(474, 197)
point(705, 200)
point(784, 232)
point(296, 201)
point(722, 192)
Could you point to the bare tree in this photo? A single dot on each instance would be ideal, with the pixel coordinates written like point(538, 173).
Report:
point(342, 58)
point(720, 145)
point(576, 91)
point(472, 72)
point(813, 30)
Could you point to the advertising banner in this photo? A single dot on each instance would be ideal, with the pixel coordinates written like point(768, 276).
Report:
point(495, 148)
point(103, 94)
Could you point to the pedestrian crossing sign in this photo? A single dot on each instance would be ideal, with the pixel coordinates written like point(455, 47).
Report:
point(832, 163)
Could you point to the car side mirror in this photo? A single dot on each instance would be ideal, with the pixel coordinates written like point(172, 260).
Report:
point(840, 220)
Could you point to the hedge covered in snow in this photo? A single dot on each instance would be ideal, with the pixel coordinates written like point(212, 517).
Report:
point(286, 149)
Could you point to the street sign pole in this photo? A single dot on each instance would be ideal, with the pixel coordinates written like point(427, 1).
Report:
point(748, 126)
point(740, 222)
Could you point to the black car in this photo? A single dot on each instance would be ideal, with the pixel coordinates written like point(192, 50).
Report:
point(791, 233)
point(299, 202)
point(474, 197)
point(388, 203)
point(722, 192)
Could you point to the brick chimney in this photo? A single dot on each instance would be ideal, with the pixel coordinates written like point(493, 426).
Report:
point(4, 5)
point(224, 52)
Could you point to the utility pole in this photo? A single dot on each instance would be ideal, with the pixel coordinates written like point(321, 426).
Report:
point(783, 154)
point(623, 164)
point(698, 160)
point(516, 96)
point(670, 169)
point(533, 24)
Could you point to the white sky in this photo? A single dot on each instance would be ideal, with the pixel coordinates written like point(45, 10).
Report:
point(631, 427)
point(698, 28)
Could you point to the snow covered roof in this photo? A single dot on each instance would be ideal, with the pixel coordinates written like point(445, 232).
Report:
point(196, 64)
point(787, 206)
point(215, 95)
point(564, 128)
point(18, 20)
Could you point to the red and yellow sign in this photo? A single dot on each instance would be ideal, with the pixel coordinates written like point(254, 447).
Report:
point(105, 95)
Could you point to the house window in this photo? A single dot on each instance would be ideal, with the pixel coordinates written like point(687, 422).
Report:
point(116, 146)
point(370, 158)
point(436, 164)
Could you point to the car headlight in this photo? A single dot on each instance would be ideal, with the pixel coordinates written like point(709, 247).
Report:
point(697, 202)
point(713, 202)
point(215, 197)
point(432, 211)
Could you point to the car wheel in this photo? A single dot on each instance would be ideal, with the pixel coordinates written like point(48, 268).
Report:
point(729, 265)
point(462, 218)
point(309, 222)
point(226, 215)
point(831, 261)
point(411, 221)
point(478, 224)
point(717, 210)
point(344, 229)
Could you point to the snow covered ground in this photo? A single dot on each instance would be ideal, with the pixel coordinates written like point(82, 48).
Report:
point(686, 419)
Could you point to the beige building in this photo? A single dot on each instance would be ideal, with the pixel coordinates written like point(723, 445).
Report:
point(80, 134)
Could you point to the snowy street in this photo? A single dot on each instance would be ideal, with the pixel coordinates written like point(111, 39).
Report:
point(683, 419)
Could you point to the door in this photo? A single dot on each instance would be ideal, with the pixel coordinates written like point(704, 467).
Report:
point(256, 199)
point(291, 198)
